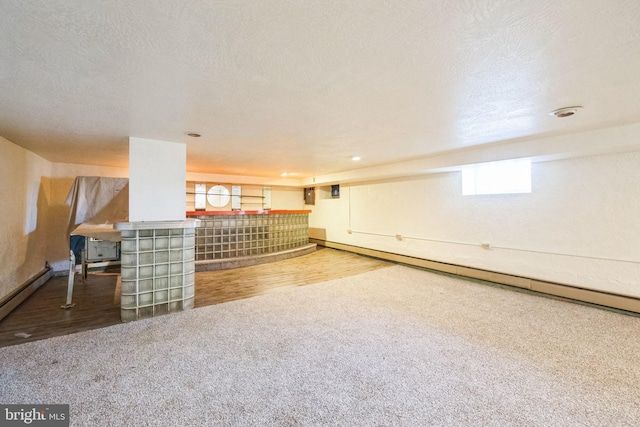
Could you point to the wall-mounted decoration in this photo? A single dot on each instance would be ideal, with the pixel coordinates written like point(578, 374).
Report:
point(218, 196)
point(335, 190)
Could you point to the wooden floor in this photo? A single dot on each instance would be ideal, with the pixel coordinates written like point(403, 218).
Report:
point(98, 303)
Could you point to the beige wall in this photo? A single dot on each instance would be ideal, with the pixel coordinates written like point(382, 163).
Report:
point(287, 198)
point(33, 212)
point(282, 197)
point(24, 205)
point(62, 177)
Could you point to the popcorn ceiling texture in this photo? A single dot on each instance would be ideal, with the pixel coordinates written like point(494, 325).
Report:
point(396, 346)
point(317, 81)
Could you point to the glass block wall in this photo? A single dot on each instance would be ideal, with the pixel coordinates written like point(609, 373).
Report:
point(230, 236)
point(158, 272)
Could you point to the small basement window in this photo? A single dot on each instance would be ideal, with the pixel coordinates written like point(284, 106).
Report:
point(503, 177)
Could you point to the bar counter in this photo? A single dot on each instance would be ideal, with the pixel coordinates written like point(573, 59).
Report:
point(234, 234)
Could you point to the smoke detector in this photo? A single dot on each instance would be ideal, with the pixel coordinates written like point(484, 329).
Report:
point(565, 112)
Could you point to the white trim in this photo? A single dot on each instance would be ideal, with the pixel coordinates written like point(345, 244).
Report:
point(156, 225)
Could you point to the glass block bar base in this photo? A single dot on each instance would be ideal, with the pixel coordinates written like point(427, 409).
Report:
point(157, 268)
point(244, 234)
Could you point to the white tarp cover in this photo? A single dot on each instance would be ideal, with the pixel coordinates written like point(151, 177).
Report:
point(96, 204)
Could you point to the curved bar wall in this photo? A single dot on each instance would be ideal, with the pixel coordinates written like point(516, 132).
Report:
point(235, 234)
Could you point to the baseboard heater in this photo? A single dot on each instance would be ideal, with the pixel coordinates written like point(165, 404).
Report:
point(14, 299)
point(590, 296)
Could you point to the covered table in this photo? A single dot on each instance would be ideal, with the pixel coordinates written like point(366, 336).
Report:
point(96, 204)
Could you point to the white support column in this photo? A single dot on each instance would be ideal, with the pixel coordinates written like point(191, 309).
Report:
point(157, 180)
point(158, 259)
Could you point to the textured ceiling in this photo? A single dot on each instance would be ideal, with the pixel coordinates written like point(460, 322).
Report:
point(300, 86)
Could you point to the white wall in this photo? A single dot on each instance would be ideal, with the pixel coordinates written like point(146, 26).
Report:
point(157, 177)
point(24, 193)
point(579, 226)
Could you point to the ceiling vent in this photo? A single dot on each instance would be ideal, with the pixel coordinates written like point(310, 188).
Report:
point(565, 112)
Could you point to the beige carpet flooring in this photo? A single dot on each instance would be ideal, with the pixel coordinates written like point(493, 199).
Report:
point(396, 346)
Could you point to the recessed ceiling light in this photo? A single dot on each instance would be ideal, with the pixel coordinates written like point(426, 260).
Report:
point(193, 134)
point(283, 174)
point(565, 112)
point(355, 158)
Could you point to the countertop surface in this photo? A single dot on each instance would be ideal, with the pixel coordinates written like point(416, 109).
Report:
point(241, 212)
